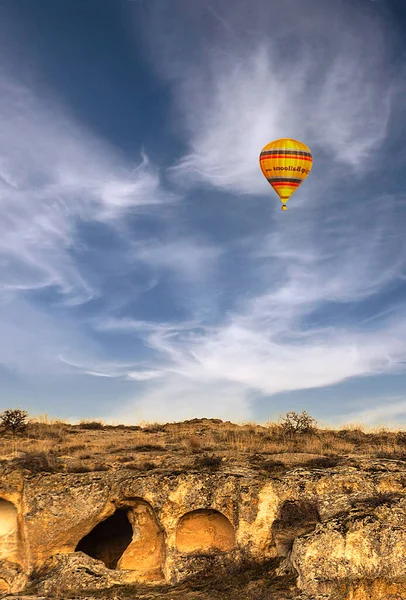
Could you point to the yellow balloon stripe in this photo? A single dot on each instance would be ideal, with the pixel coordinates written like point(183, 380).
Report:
point(285, 163)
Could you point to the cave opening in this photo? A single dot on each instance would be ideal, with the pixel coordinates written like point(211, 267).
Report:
point(108, 540)
point(296, 517)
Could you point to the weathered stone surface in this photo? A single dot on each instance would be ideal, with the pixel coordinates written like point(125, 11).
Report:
point(364, 543)
point(67, 573)
point(377, 589)
point(204, 531)
point(145, 555)
point(12, 577)
point(341, 529)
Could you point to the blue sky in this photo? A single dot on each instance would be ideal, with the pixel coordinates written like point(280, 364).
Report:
point(146, 269)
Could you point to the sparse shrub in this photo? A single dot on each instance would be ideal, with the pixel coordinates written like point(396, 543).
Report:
point(322, 462)
point(124, 427)
point(355, 436)
point(274, 467)
point(194, 444)
point(154, 428)
point(148, 448)
point(54, 431)
point(401, 438)
point(100, 467)
point(294, 423)
point(91, 425)
point(143, 466)
point(210, 461)
point(37, 462)
point(75, 447)
point(148, 466)
point(125, 459)
point(78, 468)
point(394, 455)
point(14, 420)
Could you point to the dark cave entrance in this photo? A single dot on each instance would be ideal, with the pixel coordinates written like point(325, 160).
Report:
point(108, 540)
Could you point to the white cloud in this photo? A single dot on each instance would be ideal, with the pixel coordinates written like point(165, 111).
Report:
point(388, 410)
point(298, 70)
point(259, 76)
point(52, 172)
point(191, 259)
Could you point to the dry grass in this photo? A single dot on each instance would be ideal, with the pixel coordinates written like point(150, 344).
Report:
point(175, 446)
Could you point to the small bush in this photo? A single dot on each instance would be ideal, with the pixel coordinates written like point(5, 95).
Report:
point(14, 420)
point(194, 444)
point(401, 437)
point(268, 465)
point(322, 462)
point(148, 448)
point(210, 461)
point(78, 468)
point(100, 467)
point(293, 423)
point(154, 428)
point(91, 425)
point(125, 459)
point(391, 455)
point(75, 448)
point(37, 462)
point(145, 466)
point(148, 466)
point(356, 436)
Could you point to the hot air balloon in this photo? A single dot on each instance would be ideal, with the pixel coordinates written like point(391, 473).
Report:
point(285, 163)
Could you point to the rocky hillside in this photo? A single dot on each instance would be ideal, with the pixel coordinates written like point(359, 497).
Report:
point(202, 510)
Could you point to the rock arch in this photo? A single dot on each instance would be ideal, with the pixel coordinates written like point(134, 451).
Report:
point(130, 539)
point(9, 532)
point(204, 531)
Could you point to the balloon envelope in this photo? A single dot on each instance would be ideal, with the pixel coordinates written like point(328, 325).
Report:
point(285, 163)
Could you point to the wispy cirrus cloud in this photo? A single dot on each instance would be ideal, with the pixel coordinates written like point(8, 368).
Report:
point(389, 410)
point(261, 75)
point(57, 178)
point(292, 303)
point(247, 75)
point(52, 173)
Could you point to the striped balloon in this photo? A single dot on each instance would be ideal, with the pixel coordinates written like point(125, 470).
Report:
point(285, 163)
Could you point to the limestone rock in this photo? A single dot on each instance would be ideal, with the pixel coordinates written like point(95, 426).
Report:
point(341, 529)
point(12, 577)
point(364, 543)
point(67, 573)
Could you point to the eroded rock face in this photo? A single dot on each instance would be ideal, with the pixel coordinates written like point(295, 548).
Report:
point(9, 531)
point(377, 589)
point(145, 555)
point(204, 531)
point(295, 519)
point(334, 527)
point(364, 543)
